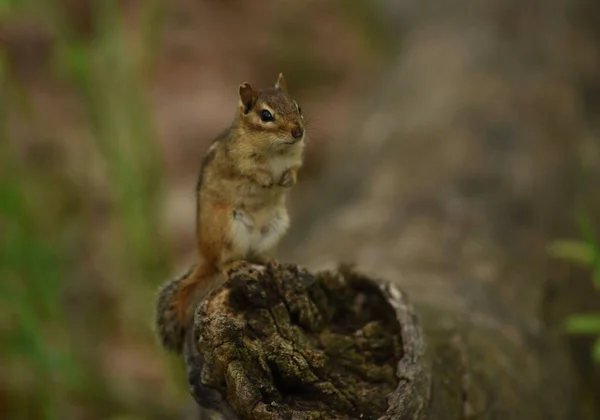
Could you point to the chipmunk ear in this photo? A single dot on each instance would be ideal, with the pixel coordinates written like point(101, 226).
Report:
point(280, 84)
point(248, 97)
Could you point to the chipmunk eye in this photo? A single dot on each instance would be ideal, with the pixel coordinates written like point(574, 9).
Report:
point(266, 115)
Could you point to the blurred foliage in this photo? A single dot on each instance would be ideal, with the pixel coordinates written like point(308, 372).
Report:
point(584, 252)
point(50, 349)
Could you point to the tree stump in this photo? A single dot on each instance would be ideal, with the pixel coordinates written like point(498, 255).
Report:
point(277, 342)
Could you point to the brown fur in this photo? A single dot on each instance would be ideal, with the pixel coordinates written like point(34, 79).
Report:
point(241, 198)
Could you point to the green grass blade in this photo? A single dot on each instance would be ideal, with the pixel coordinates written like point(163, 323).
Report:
point(583, 324)
point(596, 350)
point(579, 252)
point(587, 231)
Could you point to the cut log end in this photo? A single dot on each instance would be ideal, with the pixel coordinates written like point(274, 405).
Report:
point(278, 342)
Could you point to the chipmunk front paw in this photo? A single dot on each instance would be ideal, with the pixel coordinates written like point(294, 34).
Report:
point(264, 179)
point(288, 178)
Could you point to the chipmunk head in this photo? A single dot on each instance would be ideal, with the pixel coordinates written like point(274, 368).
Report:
point(272, 113)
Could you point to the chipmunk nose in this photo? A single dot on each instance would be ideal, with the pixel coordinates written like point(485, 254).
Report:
point(297, 132)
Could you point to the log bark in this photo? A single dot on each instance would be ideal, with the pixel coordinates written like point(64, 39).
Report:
point(277, 342)
point(456, 178)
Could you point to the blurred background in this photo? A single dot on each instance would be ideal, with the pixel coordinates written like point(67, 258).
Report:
point(106, 108)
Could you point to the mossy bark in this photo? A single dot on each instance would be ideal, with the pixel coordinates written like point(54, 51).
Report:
point(278, 342)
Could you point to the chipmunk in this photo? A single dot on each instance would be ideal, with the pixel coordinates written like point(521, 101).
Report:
point(241, 205)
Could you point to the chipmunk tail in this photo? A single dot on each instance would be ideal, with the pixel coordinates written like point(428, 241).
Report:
point(169, 325)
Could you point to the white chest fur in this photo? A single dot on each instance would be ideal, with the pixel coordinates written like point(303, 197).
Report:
point(252, 238)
